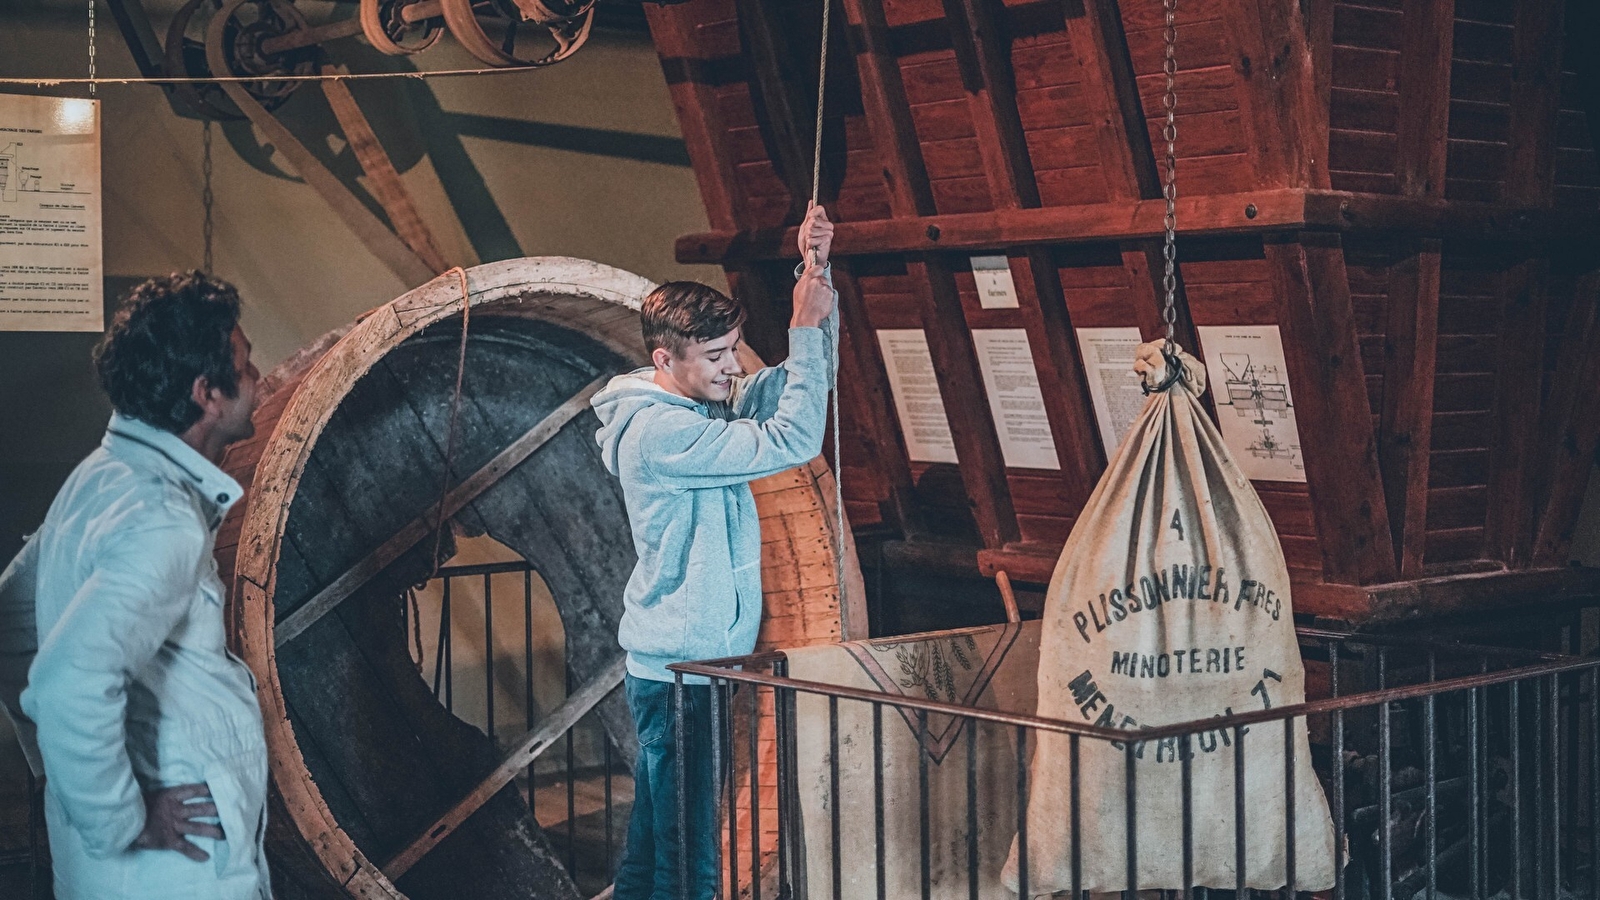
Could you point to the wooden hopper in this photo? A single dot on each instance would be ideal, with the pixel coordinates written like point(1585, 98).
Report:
point(1406, 189)
point(342, 477)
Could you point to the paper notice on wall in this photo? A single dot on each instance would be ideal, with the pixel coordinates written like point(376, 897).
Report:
point(916, 395)
point(1255, 408)
point(50, 263)
point(1108, 367)
point(996, 289)
point(1015, 401)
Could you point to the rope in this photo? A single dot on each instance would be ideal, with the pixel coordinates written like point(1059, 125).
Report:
point(833, 316)
point(455, 411)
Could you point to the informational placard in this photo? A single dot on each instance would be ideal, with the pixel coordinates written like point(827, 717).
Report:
point(1255, 408)
point(996, 289)
point(1012, 383)
point(916, 395)
point(1108, 366)
point(50, 214)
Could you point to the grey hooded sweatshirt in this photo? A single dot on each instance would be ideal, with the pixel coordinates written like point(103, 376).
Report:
point(686, 468)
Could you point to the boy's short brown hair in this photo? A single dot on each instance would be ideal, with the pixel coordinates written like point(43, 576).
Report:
point(679, 312)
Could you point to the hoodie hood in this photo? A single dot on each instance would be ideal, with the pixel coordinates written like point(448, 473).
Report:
point(625, 397)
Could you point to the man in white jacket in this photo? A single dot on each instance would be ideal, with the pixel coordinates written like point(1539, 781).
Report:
point(148, 728)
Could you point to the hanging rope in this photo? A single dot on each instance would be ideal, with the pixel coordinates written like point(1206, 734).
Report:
point(206, 197)
point(455, 412)
point(833, 317)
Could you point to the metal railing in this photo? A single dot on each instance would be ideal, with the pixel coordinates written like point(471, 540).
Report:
point(575, 775)
point(1449, 769)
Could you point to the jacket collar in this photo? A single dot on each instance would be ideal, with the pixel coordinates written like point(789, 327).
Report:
point(130, 438)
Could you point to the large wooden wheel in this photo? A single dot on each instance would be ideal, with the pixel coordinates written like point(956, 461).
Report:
point(377, 790)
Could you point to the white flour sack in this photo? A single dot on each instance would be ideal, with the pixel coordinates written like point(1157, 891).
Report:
point(1171, 604)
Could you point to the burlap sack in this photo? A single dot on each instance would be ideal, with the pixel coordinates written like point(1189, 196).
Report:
point(986, 668)
point(1170, 603)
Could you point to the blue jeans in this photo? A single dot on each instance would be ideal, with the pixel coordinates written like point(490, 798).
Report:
point(649, 869)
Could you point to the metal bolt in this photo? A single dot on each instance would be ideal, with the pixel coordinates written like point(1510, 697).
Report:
point(933, 232)
point(1250, 211)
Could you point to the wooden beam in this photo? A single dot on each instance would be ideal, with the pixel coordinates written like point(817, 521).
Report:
point(1563, 231)
point(785, 100)
point(672, 28)
point(1329, 388)
point(1405, 436)
point(1508, 532)
point(1066, 396)
point(1573, 433)
point(983, 54)
point(462, 494)
point(888, 113)
point(972, 428)
point(1279, 101)
point(1535, 101)
point(1426, 47)
point(1111, 89)
point(864, 371)
point(382, 178)
point(516, 761)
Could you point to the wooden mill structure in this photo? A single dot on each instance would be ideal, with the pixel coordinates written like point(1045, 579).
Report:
point(1407, 189)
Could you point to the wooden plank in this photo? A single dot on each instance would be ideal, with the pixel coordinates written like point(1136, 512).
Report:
point(673, 30)
point(1406, 433)
point(1535, 101)
point(785, 100)
point(1324, 359)
point(458, 497)
point(1508, 533)
point(1283, 115)
point(984, 57)
point(972, 427)
point(516, 761)
point(1423, 122)
point(382, 178)
point(1111, 88)
point(888, 114)
point(1573, 431)
point(870, 382)
point(1068, 407)
point(1526, 592)
point(1117, 221)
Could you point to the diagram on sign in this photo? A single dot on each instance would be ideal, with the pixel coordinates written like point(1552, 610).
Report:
point(1255, 408)
point(17, 177)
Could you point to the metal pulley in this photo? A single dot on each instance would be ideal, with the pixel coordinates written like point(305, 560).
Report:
point(568, 24)
point(249, 46)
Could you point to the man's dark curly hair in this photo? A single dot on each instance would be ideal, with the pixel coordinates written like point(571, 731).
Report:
point(166, 333)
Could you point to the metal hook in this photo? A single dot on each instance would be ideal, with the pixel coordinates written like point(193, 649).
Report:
point(1174, 372)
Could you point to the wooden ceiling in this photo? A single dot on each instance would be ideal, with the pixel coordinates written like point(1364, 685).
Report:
point(1407, 189)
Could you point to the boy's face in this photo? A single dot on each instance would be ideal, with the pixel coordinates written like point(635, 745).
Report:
point(704, 372)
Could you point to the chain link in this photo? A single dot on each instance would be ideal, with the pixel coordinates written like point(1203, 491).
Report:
point(206, 197)
point(91, 48)
point(1169, 190)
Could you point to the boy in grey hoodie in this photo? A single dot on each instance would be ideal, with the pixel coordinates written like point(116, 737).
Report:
point(686, 436)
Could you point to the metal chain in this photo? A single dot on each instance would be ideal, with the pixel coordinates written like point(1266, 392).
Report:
point(1169, 190)
point(91, 48)
point(206, 197)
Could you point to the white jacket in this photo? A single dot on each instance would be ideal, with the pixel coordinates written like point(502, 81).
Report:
point(133, 686)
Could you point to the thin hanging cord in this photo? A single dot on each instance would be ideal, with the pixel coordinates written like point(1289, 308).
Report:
point(1169, 131)
point(92, 79)
point(833, 317)
point(206, 196)
point(455, 411)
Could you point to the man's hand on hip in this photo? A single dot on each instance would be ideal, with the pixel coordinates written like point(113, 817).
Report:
point(169, 820)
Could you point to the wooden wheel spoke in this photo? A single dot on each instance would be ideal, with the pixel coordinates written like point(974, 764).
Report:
point(325, 600)
point(527, 749)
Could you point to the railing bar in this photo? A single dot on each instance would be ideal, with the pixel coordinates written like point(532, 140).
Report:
point(1390, 695)
point(1513, 726)
point(877, 800)
point(718, 727)
point(1594, 784)
point(1385, 783)
point(444, 635)
point(1338, 776)
point(1186, 781)
point(1289, 879)
point(1554, 741)
point(1022, 808)
point(572, 805)
point(1539, 822)
point(1131, 817)
point(488, 654)
point(449, 652)
point(731, 805)
point(483, 569)
point(1430, 775)
point(971, 728)
point(1075, 770)
point(833, 798)
point(680, 747)
point(605, 743)
point(1240, 860)
point(527, 672)
point(755, 789)
point(924, 843)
